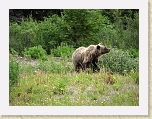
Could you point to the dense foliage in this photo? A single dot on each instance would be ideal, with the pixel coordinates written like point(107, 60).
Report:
point(13, 73)
point(114, 28)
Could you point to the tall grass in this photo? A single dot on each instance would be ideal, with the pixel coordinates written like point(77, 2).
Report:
point(56, 65)
point(52, 89)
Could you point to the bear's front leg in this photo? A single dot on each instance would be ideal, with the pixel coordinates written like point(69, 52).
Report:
point(94, 65)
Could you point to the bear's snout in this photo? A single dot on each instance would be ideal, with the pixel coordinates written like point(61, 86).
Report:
point(106, 50)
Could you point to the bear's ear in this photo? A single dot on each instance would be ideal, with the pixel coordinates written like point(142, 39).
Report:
point(98, 47)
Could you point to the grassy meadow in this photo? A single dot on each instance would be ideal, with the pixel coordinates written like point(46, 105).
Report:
point(54, 82)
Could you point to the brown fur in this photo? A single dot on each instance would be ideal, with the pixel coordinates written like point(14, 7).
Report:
point(84, 57)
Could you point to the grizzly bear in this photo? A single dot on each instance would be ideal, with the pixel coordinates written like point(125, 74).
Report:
point(85, 57)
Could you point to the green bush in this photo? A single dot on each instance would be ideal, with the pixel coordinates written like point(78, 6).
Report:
point(13, 73)
point(24, 35)
point(36, 52)
point(133, 53)
point(62, 51)
point(119, 61)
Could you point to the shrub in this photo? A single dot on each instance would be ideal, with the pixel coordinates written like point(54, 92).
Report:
point(133, 53)
point(119, 61)
point(36, 52)
point(62, 51)
point(24, 35)
point(13, 73)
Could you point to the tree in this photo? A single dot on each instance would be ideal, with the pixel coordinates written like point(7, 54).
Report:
point(84, 25)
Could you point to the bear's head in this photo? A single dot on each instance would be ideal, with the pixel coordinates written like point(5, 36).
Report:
point(102, 49)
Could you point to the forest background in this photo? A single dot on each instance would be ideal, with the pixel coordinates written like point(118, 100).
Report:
point(53, 28)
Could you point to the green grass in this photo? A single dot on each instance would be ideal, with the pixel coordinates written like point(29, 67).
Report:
point(54, 83)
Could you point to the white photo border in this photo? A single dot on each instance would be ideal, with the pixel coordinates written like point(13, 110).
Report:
point(142, 109)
